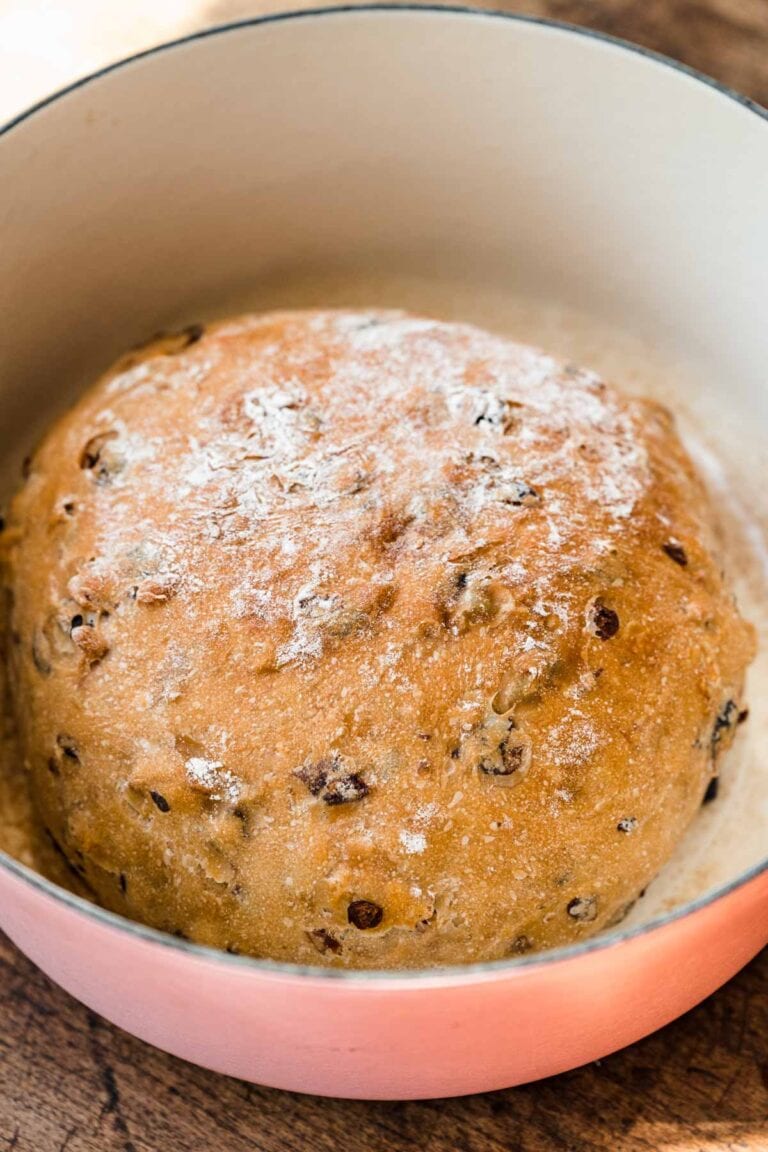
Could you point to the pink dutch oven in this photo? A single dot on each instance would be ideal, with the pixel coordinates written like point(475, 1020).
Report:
point(579, 168)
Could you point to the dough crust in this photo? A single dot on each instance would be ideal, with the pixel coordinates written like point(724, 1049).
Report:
point(366, 640)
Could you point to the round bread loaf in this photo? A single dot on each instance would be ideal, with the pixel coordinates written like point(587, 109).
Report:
point(366, 640)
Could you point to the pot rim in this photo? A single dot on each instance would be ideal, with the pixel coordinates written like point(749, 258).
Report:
point(460, 974)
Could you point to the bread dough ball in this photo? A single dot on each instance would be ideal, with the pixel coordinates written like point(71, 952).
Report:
point(365, 640)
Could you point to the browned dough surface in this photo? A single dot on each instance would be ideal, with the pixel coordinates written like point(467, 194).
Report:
point(367, 640)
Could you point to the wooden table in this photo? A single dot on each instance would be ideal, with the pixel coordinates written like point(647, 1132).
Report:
point(69, 1082)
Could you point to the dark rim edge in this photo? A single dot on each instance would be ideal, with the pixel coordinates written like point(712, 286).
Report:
point(425, 976)
point(346, 9)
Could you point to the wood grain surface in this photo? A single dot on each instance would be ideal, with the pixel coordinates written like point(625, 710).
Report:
point(70, 1082)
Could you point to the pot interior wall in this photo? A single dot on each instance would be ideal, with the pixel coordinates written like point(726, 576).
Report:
point(551, 186)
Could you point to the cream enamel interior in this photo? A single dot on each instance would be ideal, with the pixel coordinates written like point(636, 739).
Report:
point(612, 214)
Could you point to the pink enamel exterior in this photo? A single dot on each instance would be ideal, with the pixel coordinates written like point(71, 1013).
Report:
point(379, 1038)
